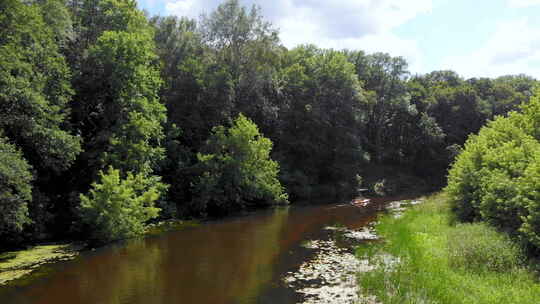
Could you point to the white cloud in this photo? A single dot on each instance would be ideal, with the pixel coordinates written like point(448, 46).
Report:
point(513, 48)
point(347, 18)
point(186, 8)
point(352, 24)
point(523, 3)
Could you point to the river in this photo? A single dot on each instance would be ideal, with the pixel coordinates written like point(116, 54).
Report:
point(241, 259)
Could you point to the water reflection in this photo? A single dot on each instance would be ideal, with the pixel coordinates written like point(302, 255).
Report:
point(232, 261)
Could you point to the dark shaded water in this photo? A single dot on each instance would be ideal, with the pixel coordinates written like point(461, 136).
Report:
point(238, 260)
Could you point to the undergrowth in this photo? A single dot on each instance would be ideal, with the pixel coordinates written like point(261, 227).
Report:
point(444, 263)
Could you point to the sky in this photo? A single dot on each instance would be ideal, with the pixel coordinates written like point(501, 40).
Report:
point(475, 38)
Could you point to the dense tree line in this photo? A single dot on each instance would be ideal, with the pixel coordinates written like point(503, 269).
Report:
point(110, 118)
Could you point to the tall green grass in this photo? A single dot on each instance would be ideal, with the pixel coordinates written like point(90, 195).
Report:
point(443, 263)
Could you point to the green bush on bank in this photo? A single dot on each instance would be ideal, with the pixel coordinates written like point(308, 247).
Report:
point(529, 194)
point(117, 208)
point(495, 178)
point(237, 170)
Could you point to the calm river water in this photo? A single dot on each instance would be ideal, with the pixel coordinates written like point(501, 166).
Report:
point(237, 260)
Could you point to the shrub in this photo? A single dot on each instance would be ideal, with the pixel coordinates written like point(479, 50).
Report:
point(500, 204)
point(117, 208)
point(479, 248)
point(497, 176)
point(501, 147)
point(529, 196)
point(237, 170)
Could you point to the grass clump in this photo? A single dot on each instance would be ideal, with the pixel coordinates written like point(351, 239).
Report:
point(478, 248)
point(444, 263)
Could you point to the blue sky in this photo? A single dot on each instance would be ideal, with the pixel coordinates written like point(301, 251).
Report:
point(475, 38)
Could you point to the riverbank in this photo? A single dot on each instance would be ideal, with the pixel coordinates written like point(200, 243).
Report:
point(444, 263)
point(330, 276)
point(20, 264)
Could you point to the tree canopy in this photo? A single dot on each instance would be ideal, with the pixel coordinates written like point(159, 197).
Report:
point(107, 110)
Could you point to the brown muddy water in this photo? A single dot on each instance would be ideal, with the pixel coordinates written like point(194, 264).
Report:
point(238, 260)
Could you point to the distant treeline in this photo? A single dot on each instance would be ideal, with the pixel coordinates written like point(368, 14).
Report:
point(110, 118)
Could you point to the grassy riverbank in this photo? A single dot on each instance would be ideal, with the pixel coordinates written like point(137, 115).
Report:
point(444, 263)
point(17, 264)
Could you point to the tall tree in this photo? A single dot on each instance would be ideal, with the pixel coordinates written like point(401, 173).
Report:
point(15, 192)
point(34, 103)
point(383, 77)
point(34, 88)
point(197, 89)
point(248, 48)
point(117, 109)
point(58, 17)
point(128, 114)
point(321, 133)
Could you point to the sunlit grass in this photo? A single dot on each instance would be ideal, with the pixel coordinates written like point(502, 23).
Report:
point(16, 264)
point(441, 263)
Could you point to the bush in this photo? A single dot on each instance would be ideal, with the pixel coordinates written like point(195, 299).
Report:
point(479, 248)
point(117, 208)
point(529, 196)
point(501, 148)
point(497, 176)
point(15, 189)
point(237, 170)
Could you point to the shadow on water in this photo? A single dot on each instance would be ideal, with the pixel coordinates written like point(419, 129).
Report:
point(237, 260)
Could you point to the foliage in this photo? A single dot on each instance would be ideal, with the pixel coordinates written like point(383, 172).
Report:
point(132, 113)
point(494, 179)
point(15, 189)
point(34, 88)
point(321, 132)
point(197, 91)
point(87, 84)
point(443, 263)
point(117, 208)
point(498, 154)
point(529, 196)
point(246, 48)
point(35, 95)
point(383, 77)
point(480, 248)
point(57, 16)
point(237, 171)
point(455, 108)
point(117, 108)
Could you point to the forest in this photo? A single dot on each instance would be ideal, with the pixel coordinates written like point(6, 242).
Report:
point(111, 118)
